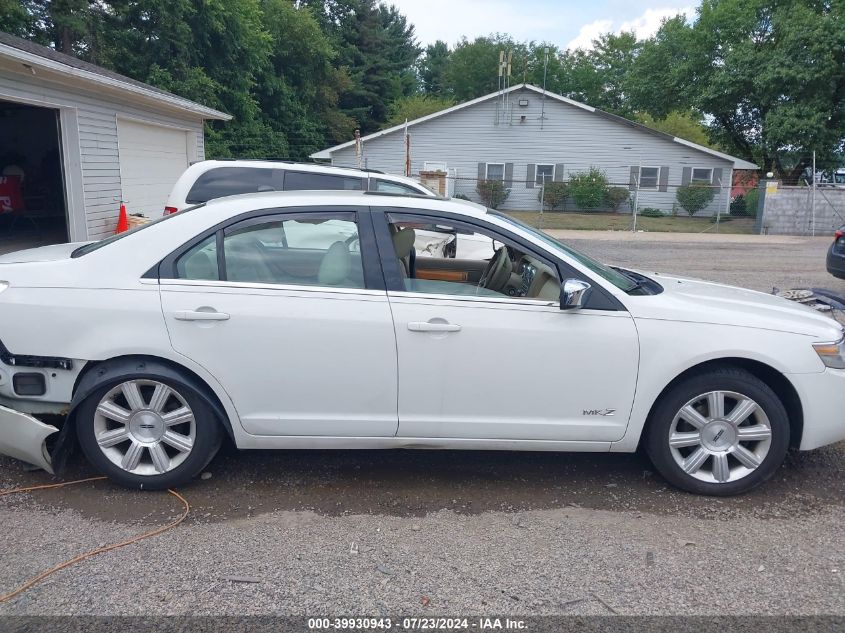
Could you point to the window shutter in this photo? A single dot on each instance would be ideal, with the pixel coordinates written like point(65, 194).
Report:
point(558, 175)
point(664, 178)
point(717, 176)
point(508, 175)
point(686, 176)
point(531, 177)
point(634, 175)
point(482, 171)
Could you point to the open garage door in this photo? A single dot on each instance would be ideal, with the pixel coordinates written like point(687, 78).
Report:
point(152, 157)
point(32, 190)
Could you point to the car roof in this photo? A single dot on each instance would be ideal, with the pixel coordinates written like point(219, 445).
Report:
point(372, 199)
point(259, 163)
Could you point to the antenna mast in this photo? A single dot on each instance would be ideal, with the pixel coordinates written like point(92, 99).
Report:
point(543, 99)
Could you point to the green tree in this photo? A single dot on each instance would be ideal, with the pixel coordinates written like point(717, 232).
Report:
point(685, 124)
point(298, 94)
point(376, 46)
point(600, 76)
point(770, 76)
point(432, 68)
point(414, 107)
point(473, 67)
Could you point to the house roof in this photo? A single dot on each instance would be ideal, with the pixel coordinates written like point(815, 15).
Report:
point(34, 55)
point(738, 163)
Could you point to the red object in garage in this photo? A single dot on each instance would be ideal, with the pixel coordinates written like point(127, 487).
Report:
point(11, 198)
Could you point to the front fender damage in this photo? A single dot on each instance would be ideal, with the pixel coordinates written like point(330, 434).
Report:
point(25, 438)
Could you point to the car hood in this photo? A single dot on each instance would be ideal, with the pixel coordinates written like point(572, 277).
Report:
point(694, 300)
point(41, 254)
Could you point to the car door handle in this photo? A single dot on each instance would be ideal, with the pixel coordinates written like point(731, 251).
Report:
point(200, 315)
point(428, 326)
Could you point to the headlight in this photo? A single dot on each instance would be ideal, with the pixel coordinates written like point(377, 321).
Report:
point(832, 354)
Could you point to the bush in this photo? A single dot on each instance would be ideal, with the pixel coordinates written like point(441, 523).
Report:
point(492, 192)
point(460, 196)
point(616, 196)
point(589, 188)
point(695, 197)
point(554, 195)
point(752, 199)
point(651, 212)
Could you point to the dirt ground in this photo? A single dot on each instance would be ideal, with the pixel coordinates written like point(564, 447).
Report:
point(399, 532)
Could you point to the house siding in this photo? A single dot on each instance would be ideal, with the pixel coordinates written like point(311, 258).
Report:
point(96, 117)
point(570, 135)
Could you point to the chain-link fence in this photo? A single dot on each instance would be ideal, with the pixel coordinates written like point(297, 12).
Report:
point(804, 210)
point(591, 200)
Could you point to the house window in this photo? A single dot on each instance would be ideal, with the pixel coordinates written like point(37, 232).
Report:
point(702, 176)
point(495, 171)
point(649, 177)
point(545, 173)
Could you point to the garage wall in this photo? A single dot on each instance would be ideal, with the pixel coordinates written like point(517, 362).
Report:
point(98, 140)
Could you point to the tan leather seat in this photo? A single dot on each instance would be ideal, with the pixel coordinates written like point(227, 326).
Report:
point(403, 244)
point(335, 266)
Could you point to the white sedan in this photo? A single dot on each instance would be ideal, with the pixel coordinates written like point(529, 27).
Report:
point(307, 320)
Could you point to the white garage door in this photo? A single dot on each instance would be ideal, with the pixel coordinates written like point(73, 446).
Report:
point(152, 158)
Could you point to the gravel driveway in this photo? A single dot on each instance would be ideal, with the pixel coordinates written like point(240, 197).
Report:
point(450, 532)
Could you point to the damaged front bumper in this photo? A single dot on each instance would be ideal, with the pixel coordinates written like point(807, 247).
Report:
point(25, 438)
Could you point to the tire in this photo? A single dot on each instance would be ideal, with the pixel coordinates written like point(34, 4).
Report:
point(147, 431)
point(713, 454)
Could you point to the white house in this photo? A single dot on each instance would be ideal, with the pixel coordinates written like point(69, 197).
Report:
point(77, 139)
point(524, 135)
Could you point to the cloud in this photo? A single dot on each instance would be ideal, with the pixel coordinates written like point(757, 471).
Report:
point(647, 24)
point(644, 26)
point(589, 32)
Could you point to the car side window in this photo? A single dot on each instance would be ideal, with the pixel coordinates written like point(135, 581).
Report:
point(442, 257)
point(386, 186)
point(200, 262)
point(230, 181)
point(303, 250)
point(305, 180)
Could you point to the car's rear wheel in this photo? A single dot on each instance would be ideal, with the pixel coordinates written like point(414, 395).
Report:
point(722, 433)
point(147, 432)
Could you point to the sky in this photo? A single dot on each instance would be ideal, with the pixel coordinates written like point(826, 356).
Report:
point(565, 23)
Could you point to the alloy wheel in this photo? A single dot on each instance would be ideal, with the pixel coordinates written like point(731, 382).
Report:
point(720, 436)
point(145, 427)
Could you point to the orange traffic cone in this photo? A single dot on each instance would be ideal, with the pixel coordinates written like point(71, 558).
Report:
point(122, 220)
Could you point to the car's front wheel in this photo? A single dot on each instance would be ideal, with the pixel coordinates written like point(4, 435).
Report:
point(147, 432)
point(722, 433)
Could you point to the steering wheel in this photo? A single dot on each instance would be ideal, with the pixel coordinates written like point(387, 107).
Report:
point(498, 271)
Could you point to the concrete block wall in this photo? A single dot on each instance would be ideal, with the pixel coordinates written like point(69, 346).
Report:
point(789, 210)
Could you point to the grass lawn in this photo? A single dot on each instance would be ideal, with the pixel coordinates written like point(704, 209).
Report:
point(622, 222)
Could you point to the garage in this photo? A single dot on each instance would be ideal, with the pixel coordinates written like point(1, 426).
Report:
point(77, 139)
point(32, 196)
point(152, 157)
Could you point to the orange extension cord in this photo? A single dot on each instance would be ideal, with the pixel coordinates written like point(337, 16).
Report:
point(33, 581)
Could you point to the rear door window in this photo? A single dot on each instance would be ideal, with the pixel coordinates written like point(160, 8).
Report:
point(230, 181)
point(385, 186)
point(303, 180)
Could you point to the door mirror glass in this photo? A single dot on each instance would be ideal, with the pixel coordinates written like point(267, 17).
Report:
point(574, 294)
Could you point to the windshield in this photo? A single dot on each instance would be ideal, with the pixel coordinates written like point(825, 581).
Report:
point(605, 272)
point(95, 246)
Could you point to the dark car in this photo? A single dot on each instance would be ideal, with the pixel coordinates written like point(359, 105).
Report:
point(836, 255)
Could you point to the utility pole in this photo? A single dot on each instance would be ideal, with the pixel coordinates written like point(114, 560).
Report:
point(543, 99)
point(407, 150)
point(359, 153)
point(814, 193)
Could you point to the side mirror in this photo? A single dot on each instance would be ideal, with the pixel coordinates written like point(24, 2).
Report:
point(574, 294)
